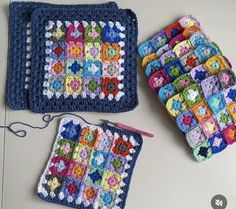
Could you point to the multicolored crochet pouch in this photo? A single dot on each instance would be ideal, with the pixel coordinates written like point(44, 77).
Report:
point(192, 78)
point(83, 58)
point(90, 166)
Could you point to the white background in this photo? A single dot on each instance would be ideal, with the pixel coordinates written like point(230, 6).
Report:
point(166, 175)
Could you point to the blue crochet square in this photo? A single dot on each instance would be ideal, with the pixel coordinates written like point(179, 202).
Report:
point(20, 48)
point(217, 143)
point(90, 90)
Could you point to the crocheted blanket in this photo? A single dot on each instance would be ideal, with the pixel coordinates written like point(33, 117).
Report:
point(192, 78)
point(72, 58)
point(90, 166)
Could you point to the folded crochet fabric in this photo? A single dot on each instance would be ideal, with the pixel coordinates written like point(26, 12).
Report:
point(90, 166)
point(72, 58)
point(194, 81)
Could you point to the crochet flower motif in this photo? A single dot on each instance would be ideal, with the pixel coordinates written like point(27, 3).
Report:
point(176, 105)
point(57, 50)
point(71, 188)
point(92, 86)
point(75, 50)
point(202, 111)
point(107, 198)
point(111, 52)
point(224, 118)
point(53, 184)
point(60, 166)
point(111, 34)
point(215, 65)
point(72, 131)
point(58, 67)
point(122, 147)
point(184, 83)
point(192, 95)
point(79, 171)
point(111, 69)
point(66, 148)
point(90, 193)
point(110, 86)
point(183, 50)
point(158, 81)
point(74, 84)
point(93, 51)
point(58, 33)
point(232, 94)
point(93, 68)
point(187, 120)
point(95, 176)
point(174, 71)
point(75, 67)
point(203, 151)
point(191, 61)
point(56, 84)
point(225, 78)
point(112, 181)
point(88, 136)
point(93, 34)
point(217, 142)
point(200, 75)
point(75, 34)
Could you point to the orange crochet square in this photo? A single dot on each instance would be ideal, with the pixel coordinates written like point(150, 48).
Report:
point(111, 52)
point(88, 136)
point(201, 111)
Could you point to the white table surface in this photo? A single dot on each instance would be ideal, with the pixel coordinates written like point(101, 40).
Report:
point(166, 175)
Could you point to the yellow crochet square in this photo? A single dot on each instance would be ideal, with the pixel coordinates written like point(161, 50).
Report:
point(182, 48)
point(176, 104)
point(111, 181)
point(232, 110)
point(148, 59)
point(74, 85)
point(216, 64)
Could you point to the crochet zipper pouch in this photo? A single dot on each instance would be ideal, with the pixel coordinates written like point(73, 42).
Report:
point(90, 166)
point(85, 60)
point(20, 48)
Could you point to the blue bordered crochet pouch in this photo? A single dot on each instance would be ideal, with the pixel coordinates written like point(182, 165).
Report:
point(90, 166)
point(77, 58)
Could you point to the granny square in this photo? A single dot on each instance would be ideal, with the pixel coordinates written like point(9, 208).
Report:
point(82, 175)
point(20, 48)
point(200, 92)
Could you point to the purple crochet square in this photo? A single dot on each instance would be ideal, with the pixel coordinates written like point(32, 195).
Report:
point(92, 86)
point(230, 94)
point(159, 40)
point(116, 164)
point(210, 86)
point(167, 57)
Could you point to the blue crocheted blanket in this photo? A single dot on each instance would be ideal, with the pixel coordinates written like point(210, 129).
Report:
point(72, 58)
point(90, 166)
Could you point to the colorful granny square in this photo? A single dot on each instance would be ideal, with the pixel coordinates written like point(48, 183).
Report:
point(210, 86)
point(216, 103)
point(21, 47)
point(210, 127)
point(195, 137)
point(200, 93)
point(223, 119)
point(201, 111)
point(217, 143)
point(192, 94)
point(94, 175)
point(76, 62)
point(232, 110)
point(216, 64)
point(186, 121)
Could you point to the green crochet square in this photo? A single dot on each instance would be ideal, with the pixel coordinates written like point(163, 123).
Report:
point(192, 94)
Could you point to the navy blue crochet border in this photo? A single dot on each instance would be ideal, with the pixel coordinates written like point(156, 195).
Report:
point(40, 103)
point(19, 15)
point(129, 171)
